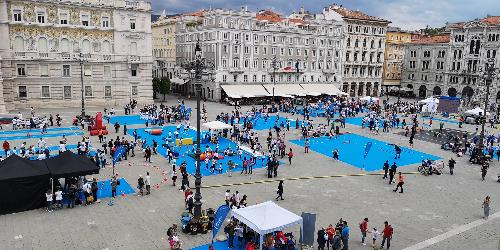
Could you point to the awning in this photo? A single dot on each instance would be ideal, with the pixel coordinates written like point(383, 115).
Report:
point(323, 89)
point(178, 81)
point(285, 89)
point(244, 90)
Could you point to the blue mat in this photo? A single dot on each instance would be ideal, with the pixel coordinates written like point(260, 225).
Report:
point(35, 131)
point(184, 151)
point(37, 136)
point(263, 124)
point(105, 188)
point(126, 119)
point(441, 120)
point(351, 149)
point(224, 245)
point(54, 149)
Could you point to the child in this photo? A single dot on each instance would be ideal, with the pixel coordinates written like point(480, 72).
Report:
point(220, 168)
point(375, 236)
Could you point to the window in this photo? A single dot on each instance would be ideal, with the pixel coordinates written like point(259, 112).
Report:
point(44, 70)
point(107, 91)
point(105, 21)
point(254, 78)
point(107, 71)
point(18, 16)
point(40, 16)
point(245, 78)
point(45, 92)
point(135, 90)
point(132, 24)
point(67, 92)
point(134, 69)
point(63, 18)
point(23, 92)
point(66, 71)
point(88, 91)
point(224, 78)
point(21, 70)
point(87, 70)
point(85, 19)
point(263, 78)
point(256, 50)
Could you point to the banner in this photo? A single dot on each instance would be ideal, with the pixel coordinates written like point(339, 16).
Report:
point(118, 154)
point(368, 146)
point(219, 218)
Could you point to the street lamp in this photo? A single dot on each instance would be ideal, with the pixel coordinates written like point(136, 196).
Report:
point(81, 60)
point(488, 75)
point(274, 65)
point(198, 68)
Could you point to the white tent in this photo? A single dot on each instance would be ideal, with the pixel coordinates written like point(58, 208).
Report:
point(476, 111)
point(429, 100)
point(217, 125)
point(266, 218)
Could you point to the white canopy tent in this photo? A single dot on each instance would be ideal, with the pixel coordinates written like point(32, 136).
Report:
point(217, 125)
point(476, 112)
point(369, 99)
point(266, 218)
point(246, 91)
point(429, 100)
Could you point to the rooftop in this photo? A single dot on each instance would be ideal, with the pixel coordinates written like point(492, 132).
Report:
point(436, 39)
point(354, 14)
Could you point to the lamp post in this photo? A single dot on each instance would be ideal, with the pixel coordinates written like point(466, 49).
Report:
point(274, 64)
point(197, 68)
point(488, 76)
point(81, 60)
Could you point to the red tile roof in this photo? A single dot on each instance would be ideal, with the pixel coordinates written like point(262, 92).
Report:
point(444, 38)
point(198, 13)
point(269, 16)
point(296, 21)
point(354, 14)
point(492, 20)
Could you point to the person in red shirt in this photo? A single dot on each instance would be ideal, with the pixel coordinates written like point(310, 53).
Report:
point(290, 156)
point(6, 147)
point(330, 231)
point(363, 226)
point(387, 235)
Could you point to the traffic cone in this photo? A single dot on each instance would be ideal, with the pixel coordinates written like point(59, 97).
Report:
point(123, 194)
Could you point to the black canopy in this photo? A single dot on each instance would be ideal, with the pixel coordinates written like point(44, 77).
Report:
point(68, 164)
point(23, 184)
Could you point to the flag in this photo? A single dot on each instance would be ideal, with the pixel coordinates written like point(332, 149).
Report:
point(219, 218)
point(118, 154)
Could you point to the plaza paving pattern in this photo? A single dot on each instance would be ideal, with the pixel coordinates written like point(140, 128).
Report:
point(429, 207)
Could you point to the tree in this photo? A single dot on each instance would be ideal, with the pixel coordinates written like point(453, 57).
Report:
point(156, 86)
point(164, 87)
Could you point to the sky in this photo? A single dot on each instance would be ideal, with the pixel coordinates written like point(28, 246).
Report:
point(406, 14)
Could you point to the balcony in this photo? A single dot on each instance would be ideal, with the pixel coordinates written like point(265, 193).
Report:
point(134, 58)
point(43, 55)
point(65, 55)
point(106, 57)
point(20, 54)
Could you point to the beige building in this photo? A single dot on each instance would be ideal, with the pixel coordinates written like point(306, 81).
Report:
point(43, 40)
point(394, 53)
point(164, 52)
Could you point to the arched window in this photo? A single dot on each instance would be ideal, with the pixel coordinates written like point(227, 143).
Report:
point(65, 45)
point(18, 44)
point(106, 47)
point(42, 44)
point(86, 46)
point(472, 46)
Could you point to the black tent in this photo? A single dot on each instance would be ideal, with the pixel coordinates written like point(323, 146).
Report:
point(68, 164)
point(23, 184)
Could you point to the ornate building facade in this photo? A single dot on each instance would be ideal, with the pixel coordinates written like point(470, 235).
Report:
point(363, 50)
point(394, 53)
point(47, 40)
point(453, 64)
point(243, 44)
point(164, 52)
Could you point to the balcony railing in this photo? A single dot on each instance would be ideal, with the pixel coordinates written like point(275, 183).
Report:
point(134, 58)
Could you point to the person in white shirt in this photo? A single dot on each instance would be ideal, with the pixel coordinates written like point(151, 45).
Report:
point(227, 197)
point(41, 156)
point(375, 236)
point(59, 198)
point(62, 147)
point(147, 181)
point(48, 195)
point(41, 144)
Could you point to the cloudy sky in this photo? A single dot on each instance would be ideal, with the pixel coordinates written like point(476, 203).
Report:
point(408, 14)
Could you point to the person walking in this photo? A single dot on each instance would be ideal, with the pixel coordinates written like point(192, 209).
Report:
point(49, 197)
point(114, 184)
point(486, 207)
point(94, 188)
point(306, 146)
point(387, 235)
point(290, 156)
point(451, 165)
point(147, 181)
point(484, 168)
point(140, 185)
point(280, 190)
point(401, 182)
point(344, 235)
point(392, 172)
point(363, 226)
point(174, 177)
point(386, 169)
point(321, 239)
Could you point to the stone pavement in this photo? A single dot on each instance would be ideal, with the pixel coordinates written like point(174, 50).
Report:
point(430, 206)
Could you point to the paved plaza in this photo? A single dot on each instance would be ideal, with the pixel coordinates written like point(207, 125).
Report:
point(434, 212)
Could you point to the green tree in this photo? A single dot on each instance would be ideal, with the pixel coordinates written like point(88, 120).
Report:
point(156, 86)
point(164, 87)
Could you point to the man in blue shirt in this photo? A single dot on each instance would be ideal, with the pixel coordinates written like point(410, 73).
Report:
point(345, 236)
